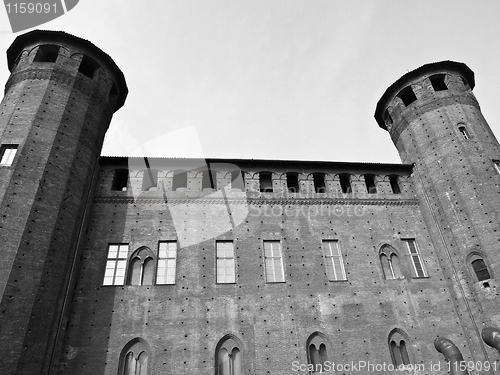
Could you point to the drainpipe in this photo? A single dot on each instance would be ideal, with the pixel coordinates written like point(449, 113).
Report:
point(452, 354)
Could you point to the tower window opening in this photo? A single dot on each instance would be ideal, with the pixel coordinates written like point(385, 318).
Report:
point(438, 82)
point(393, 180)
point(7, 154)
point(120, 180)
point(407, 96)
point(150, 179)
point(390, 263)
point(496, 163)
point(141, 269)
point(238, 180)
point(292, 182)
point(465, 133)
point(47, 53)
point(387, 117)
point(179, 180)
point(464, 81)
point(88, 66)
point(266, 182)
point(399, 348)
point(209, 179)
point(319, 182)
point(370, 184)
point(345, 183)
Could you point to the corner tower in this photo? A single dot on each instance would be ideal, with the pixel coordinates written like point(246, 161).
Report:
point(59, 100)
point(436, 124)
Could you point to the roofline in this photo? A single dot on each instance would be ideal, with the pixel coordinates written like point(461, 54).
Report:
point(64, 38)
point(236, 161)
point(436, 66)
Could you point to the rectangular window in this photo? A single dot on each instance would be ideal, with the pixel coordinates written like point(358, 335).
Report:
point(274, 262)
point(225, 262)
point(116, 264)
point(333, 261)
point(8, 152)
point(167, 255)
point(418, 265)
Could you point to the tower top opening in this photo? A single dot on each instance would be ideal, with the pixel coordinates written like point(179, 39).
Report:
point(426, 69)
point(38, 37)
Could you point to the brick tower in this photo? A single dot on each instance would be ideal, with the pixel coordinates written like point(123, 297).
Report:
point(58, 104)
point(436, 124)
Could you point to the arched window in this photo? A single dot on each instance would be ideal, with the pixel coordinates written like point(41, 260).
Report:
point(179, 180)
point(479, 267)
point(317, 352)
point(135, 358)
point(141, 269)
point(389, 260)
point(149, 179)
point(228, 356)
point(266, 182)
point(398, 347)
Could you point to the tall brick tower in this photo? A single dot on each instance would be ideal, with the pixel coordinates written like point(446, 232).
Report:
point(58, 104)
point(436, 124)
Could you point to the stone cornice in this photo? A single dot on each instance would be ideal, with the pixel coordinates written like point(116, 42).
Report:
point(259, 202)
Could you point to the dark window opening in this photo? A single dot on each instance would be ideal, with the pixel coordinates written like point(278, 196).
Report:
point(114, 92)
point(209, 179)
point(480, 269)
point(47, 53)
point(292, 182)
point(407, 96)
point(438, 83)
point(399, 353)
point(179, 180)
point(393, 180)
point(238, 180)
point(319, 182)
point(88, 66)
point(370, 184)
point(266, 182)
point(345, 183)
point(465, 133)
point(150, 179)
point(387, 117)
point(120, 180)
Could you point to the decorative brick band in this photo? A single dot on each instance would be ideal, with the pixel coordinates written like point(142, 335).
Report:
point(259, 202)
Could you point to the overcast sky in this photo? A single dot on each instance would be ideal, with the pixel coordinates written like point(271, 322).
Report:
point(272, 79)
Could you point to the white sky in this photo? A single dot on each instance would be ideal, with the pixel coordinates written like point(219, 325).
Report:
point(277, 79)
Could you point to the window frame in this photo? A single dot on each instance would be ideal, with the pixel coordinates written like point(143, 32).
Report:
point(122, 260)
point(272, 263)
point(333, 273)
point(11, 155)
point(413, 255)
point(397, 336)
point(224, 259)
point(166, 260)
point(388, 252)
point(496, 165)
point(143, 254)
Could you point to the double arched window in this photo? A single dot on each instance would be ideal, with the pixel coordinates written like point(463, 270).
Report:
point(135, 358)
point(142, 267)
point(398, 346)
point(228, 356)
point(389, 260)
point(317, 352)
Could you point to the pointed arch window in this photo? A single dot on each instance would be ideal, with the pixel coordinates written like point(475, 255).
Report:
point(317, 352)
point(228, 357)
point(141, 269)
point(135, 358)
point(398, 347)
point(389, 260)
